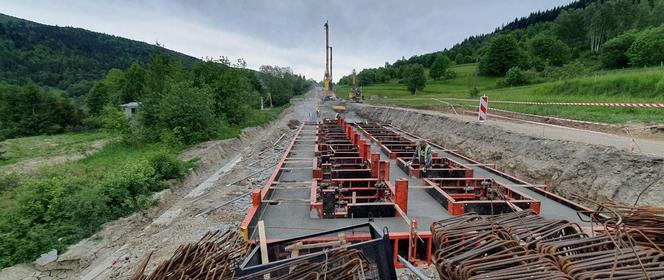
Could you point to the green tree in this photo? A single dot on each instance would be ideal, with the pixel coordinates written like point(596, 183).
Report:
point(502, 54)
point(459, 59)
point(31, 110)
point(134, 84)
point(647, 48)
point(549, 49)
point(570, 27)
point(614, 51)
point(158, 74)
point(233, 96)
point(115, 79)
point(414, 78)
point(439, 66)
point(98, 96)
point(157, 80)
point(187, 112)
point(79, 88)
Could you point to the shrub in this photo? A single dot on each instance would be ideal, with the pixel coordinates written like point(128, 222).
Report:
point(647, 48)
point(126, 190)
point(549, 49)
point(614, 51)
point(55, 212)
point(113, 120)
point(167, 166)
point(515, 77)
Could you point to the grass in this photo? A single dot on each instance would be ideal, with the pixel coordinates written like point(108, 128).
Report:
point(644, 85)
point(45, 146)
point(58, 205)
point(255, 118)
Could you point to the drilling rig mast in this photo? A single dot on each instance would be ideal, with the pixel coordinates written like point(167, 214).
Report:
point(327, 79)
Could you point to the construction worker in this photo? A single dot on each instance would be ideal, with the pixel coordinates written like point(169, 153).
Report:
point(423, 154)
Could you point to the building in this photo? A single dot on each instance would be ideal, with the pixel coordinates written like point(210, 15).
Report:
point(130, 108)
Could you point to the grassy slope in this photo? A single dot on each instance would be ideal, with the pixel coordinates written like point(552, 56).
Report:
point(45, 146)
point(633, 85)
point(112, 160)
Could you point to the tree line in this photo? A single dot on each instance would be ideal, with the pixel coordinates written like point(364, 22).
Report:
point(192, 102)
point(586, 34)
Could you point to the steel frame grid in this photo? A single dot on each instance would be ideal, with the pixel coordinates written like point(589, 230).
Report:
point(414, 170)
point(458, 203)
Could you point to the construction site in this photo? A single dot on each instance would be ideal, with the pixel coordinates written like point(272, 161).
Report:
point(338, 189)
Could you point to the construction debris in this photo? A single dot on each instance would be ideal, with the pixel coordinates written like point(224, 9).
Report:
point(293, 124)
point(215, 256)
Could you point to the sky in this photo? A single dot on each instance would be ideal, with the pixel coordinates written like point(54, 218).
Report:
point(290, 33)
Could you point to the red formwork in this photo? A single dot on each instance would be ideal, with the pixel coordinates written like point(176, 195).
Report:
point(257, 197)
point(441, 167)
point(348, 181)
point(399, 150)
point(478, 195)
point(342, 154)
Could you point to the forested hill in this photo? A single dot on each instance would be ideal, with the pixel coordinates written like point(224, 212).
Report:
point(67, 58)
point(586, 34)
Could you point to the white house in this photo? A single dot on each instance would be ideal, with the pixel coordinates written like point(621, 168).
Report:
point(130, 108)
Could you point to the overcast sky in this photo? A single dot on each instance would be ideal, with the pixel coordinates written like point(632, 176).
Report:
point(286, 32)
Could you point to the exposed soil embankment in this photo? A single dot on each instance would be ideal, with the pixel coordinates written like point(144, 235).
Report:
point(594, 171)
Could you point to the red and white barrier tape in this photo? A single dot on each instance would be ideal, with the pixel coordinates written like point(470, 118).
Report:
point(604, 104)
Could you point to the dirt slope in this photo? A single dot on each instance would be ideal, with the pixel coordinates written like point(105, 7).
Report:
point(594, 171)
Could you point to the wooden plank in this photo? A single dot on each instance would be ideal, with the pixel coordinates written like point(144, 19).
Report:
point(263, 245)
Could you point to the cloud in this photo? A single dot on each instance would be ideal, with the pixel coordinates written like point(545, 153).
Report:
point(289, 32)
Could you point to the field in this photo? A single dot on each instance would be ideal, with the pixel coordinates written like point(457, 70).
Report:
point(49, 146)
point(622, 86)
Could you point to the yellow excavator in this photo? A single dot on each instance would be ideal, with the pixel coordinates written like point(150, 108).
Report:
point(355, 93)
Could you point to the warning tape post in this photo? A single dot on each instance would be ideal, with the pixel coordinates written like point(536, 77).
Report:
point(484, 105)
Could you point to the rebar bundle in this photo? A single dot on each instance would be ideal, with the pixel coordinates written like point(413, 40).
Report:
point(643, 224)
point(215, 256)
point(336, 264)
point(522, 245)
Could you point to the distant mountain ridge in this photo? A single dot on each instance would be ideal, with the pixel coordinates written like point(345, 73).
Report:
point(66, 57)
